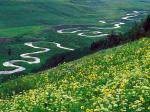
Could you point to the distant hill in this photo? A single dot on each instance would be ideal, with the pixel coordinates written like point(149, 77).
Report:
point(16, 13)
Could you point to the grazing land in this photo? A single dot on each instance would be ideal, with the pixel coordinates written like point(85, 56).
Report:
point(115, 79)
point(71, 23)
point(107, 42)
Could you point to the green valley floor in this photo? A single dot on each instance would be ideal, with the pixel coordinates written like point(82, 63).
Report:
point(112, 80)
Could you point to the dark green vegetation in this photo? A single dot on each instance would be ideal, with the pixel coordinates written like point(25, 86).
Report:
point(34, 20)
point(115, 80)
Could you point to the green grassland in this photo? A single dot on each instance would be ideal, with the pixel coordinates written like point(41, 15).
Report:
point(34, 20)
point(32, 13)
point(111, 80)
point(35, 13)
point(16, 31)
point(21, 13)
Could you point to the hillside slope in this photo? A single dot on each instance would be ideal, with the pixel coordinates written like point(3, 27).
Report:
point(66, 22)
point(32, 14)
point(115, 80)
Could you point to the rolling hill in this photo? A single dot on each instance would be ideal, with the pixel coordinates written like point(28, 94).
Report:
point(35, 13)
point(113, 75)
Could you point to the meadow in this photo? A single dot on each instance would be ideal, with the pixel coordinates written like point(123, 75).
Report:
point(112, 80)
point(107, 42)
point(37, 21)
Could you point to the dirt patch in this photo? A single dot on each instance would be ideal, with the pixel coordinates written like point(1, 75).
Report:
point(5, 40)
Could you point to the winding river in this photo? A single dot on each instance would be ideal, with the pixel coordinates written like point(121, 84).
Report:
point(98, 31)
point(94, 32)
point(35, 60)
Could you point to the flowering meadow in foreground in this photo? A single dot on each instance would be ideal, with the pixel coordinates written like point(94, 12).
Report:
point(113, 80)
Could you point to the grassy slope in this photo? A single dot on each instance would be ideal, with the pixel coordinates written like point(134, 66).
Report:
point(24, 20)
point(21, 13)
point(31, 13)
point(116, 79)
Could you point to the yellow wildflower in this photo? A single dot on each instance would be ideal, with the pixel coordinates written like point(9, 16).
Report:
point(89, 110)
point(82, 107)
point(142, 99)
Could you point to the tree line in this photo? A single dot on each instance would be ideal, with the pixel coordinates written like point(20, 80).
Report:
point(138, 31)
